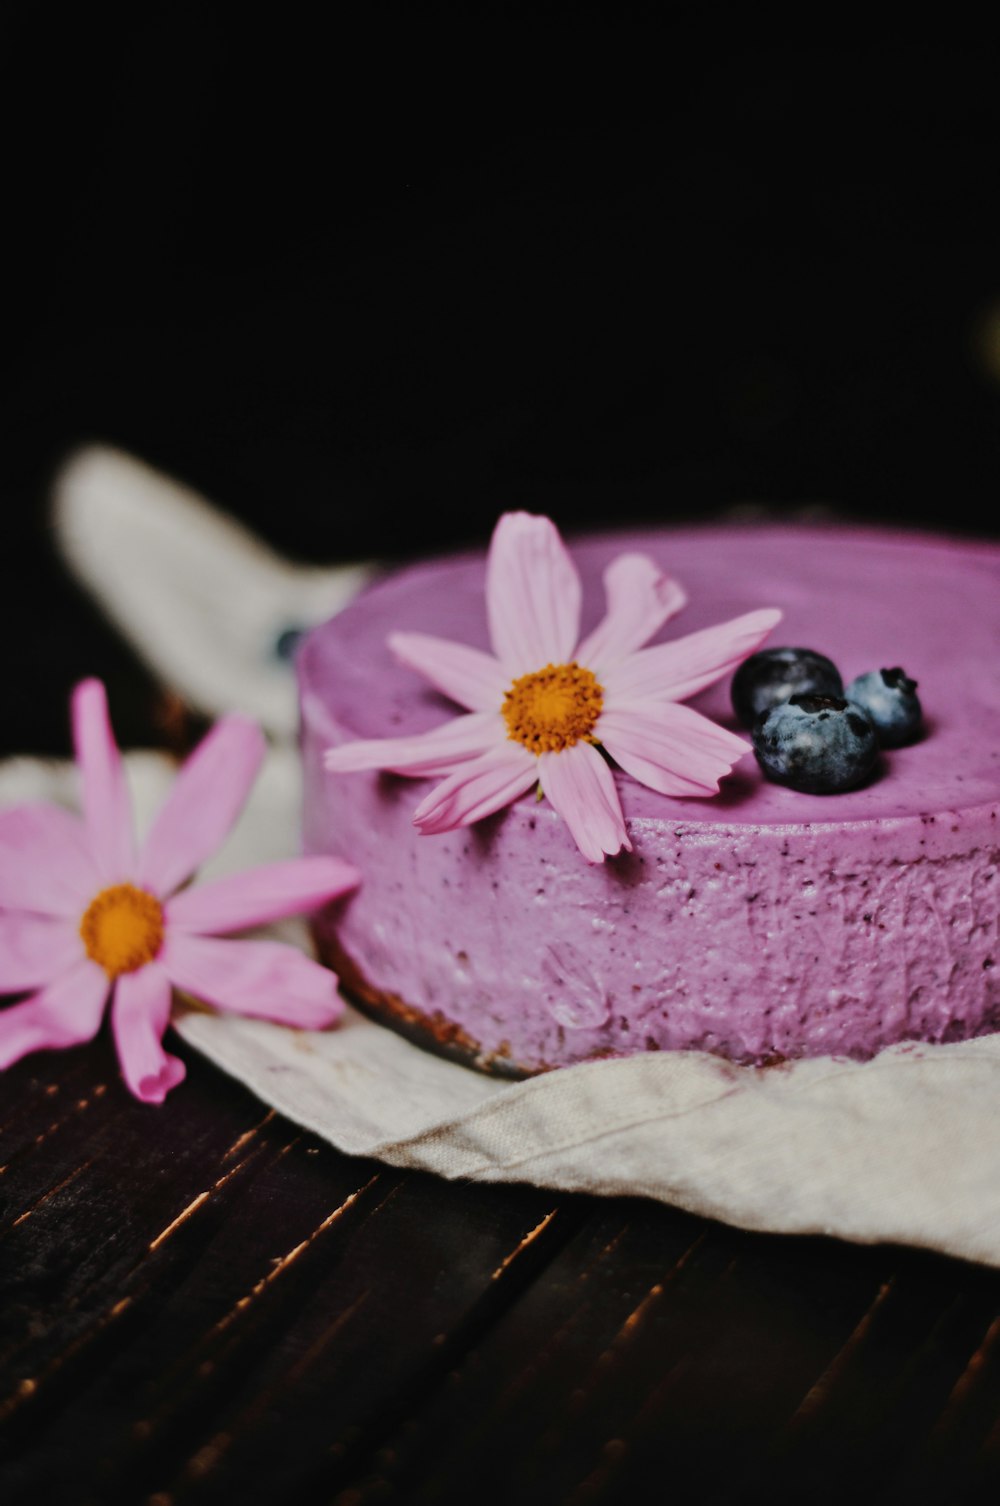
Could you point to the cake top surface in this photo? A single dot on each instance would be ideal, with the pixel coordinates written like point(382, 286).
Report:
point(867, 598)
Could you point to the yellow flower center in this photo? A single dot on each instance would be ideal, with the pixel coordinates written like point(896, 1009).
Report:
point(122, 929)
point(553, 708)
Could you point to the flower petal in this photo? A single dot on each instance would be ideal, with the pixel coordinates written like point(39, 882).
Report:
point(270, 892)
point(106, 809)
point(532, 594)
point(477, 789)
point(207, 796)
point(34, 949)
point(674, 671)
point(470, 677)
point(426, 754)
point(641, 598)
point(260, 978)
point(671, 748)
point(65, 1013)
point(581, 787)
point(140, 1013)
point(45, 860)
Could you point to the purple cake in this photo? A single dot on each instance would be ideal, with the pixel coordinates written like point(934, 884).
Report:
point(759, 924)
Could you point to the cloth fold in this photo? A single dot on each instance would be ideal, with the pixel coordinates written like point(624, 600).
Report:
point(903, 1148)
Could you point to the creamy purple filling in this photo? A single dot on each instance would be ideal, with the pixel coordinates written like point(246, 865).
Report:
point(761, 922)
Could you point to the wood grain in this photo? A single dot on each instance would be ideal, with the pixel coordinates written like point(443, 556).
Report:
point(202, 1303)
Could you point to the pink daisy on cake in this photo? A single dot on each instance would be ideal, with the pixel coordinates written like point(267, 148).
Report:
point(542, 705)
point(85, 915)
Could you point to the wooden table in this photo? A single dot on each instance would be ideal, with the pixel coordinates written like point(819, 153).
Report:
point(203, 1303)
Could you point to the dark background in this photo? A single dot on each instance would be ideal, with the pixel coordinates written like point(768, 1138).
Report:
point(368, 289)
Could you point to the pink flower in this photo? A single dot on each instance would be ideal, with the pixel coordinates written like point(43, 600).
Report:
point(543, 701)
point(82, 915)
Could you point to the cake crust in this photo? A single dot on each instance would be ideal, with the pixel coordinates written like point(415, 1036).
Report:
point(434, 1032)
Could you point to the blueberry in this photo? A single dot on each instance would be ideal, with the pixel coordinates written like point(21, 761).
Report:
point(890, 698)
point(769, 678)
point(818, 743)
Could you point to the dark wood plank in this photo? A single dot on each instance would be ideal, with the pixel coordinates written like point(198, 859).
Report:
point(895, 1404)
point(212, 1276)
point(109, 1238)
point(764, 1366)
point(90, 1196)
point(653, 1340)
point(202, 1303)
point(422, 1279)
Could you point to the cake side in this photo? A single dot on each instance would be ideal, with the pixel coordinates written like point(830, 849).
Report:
point(759, 924)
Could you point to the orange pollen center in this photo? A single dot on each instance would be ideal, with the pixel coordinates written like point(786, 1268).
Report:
point(553, 708)
point(122, 929)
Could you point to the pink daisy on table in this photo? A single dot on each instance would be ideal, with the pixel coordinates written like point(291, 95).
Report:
point(539, 706)
point(83, 914)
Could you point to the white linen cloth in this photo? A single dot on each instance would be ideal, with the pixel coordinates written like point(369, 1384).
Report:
point(201, 599)
point(903, 1148)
